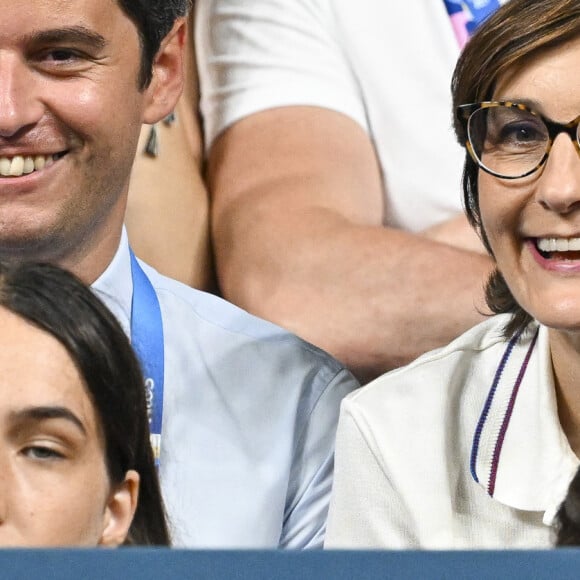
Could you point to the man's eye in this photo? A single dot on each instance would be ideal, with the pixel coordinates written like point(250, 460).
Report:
point(61, 55)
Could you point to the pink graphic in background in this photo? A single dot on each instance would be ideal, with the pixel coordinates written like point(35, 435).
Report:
point(459, 22)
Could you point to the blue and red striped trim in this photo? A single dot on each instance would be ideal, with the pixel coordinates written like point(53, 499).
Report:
point(483, 419)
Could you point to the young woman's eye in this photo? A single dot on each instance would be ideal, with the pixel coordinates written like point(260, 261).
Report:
point(42, 452)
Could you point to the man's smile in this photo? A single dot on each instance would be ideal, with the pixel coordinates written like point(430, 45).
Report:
point(20, 165)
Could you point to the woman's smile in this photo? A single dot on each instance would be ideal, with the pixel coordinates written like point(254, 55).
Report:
point(556, 254)
point(533, 223)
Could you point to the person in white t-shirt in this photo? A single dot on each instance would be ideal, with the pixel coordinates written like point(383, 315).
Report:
point(334, 173)
point(474, 445)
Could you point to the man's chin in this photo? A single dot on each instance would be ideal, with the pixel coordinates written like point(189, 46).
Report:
point(30, 246)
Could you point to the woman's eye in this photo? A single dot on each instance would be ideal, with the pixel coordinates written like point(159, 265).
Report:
point(42, 452)
point(522, 133)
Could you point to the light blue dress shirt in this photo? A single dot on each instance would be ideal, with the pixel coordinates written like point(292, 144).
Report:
point(249, 419)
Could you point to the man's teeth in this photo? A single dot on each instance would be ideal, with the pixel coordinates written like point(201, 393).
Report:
point(23, 165)
point(558, 244)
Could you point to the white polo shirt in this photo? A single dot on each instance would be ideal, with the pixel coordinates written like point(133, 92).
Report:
point(461, 449)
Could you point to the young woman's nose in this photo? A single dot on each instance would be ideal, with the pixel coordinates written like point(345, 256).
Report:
point(4, 491)
point(559, 184)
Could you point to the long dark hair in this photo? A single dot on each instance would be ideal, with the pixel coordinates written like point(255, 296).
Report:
point(517, 31)
point(58, 303)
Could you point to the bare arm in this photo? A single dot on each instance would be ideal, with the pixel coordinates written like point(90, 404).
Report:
point(458, 233)
point(299, 240)
point(168, 208)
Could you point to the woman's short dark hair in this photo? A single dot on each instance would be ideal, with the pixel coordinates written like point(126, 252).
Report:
point(517, 31)
point(59, 304)
point(153, 19)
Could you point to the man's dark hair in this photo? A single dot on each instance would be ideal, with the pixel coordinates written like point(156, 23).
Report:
point(153, 19)
point(56, 302)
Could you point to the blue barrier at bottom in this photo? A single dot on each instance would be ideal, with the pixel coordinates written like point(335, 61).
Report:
point(155, 564)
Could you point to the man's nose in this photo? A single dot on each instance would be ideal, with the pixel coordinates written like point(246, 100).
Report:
point(559, 184)
point(20, 106)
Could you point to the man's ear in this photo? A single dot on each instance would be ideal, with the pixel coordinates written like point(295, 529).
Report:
point(166, 84)
point(120, 510)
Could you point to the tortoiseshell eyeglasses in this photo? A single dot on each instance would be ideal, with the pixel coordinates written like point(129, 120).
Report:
point(509, 139)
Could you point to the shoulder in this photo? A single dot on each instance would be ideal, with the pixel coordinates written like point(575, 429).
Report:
point(209, 324)
point(428, 408)
point(431, 386)
point(213, 311)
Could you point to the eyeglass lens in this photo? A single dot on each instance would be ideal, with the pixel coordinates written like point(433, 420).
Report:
point(508, 141)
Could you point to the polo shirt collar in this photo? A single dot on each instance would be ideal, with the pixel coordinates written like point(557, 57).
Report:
point(520, 454)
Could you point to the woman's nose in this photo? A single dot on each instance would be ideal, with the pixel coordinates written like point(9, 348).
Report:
point(559, 184)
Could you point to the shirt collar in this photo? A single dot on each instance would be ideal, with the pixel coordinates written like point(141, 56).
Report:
point(115, 286)
point(520, 454)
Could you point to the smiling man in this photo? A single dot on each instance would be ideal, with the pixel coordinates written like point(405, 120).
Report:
point(242, 413)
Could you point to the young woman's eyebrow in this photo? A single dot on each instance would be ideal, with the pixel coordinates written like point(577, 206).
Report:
point(70, 34)
point(43, 413)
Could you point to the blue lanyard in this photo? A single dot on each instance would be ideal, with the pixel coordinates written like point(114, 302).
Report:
point(147, 340)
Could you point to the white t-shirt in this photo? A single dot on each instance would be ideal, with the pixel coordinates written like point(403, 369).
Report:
point(387, 64)
point(461, 449)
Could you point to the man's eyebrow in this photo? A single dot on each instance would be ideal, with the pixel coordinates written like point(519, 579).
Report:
point(74, 34)
point(42, 413)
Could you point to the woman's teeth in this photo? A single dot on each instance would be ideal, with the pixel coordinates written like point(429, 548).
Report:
point(23, 165)
point(558, 244)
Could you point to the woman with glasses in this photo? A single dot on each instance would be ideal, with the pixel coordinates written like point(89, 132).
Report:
point(76, 466)
point(474, 445)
